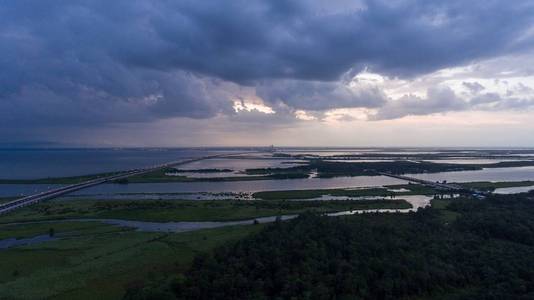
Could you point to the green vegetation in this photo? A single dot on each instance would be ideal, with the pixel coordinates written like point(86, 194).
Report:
point(490, 186)
point(186, 210)
point(510, 164)
point(485, 252)
point(32, 229)
point(310, 194)
point(285, 155)
point(160, 176)
point(96, 261)
point(458, 249)
point(328, 169)
point(324, 169)
point(332, 169)
point(413, 189)
point(442, 207)
point(301, 169)
point(203, 171)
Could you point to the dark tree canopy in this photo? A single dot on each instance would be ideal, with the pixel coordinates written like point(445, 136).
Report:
point(487, 253)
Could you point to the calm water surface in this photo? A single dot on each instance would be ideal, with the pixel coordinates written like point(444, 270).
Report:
point(69, 162)
point(493, 174)
point(42, 163)
point(514, 190)
point(194, 187)
point(490, 174)
point(244, 186)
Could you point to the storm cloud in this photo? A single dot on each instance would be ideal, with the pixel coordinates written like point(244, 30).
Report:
point(318, 96)
point(438, 100)
point(93, 63)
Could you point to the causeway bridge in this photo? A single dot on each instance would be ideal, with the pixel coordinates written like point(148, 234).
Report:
point(436, 185)
point(440, 186)
point(54, 193)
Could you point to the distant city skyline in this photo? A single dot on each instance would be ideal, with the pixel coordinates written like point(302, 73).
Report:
point(407, 73)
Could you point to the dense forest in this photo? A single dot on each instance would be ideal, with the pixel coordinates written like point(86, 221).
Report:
point(473, 249)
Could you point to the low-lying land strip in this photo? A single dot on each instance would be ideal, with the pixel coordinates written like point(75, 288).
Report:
point(390, 191)
point(187, 210)
point(328, 169)
point(161, 176)
point(323, 169)
point(490, 186)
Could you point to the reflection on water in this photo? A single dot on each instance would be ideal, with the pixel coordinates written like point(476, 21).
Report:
point(470, 161)
point(489, 174)
point(211, 174)
point(243, 186)
point(417, 201)
point(514, 190)
point(359, 160)
point(195, 187)
point(240, 164)
point(8, 190)
point(42, 163)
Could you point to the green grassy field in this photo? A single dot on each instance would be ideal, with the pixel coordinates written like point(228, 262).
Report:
point(490, 186)
point(92, 260)
point(96, 261)
point(369, 192)
point(160, 176)
point(186, 210)
point(414, 189)
point(441, 205)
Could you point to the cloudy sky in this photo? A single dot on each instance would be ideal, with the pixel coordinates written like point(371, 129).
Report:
point(245, 72)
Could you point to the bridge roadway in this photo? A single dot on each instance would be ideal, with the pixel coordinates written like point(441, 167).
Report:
point(439, 185)
point(436, 185)
point(50, 194)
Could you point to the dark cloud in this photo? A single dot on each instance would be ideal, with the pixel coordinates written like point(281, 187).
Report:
point(437, 100)
point(91, 63)
point(473, 87)
point(443, 100)
point(495, 102)
point(245, 40)
point(318, 96)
